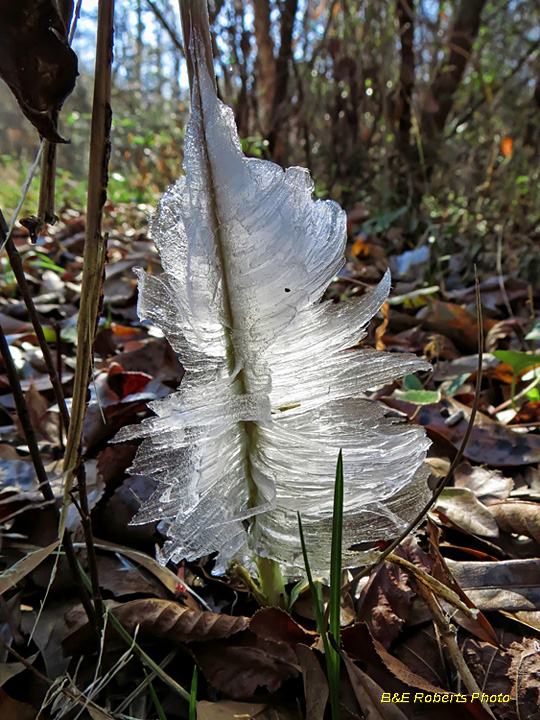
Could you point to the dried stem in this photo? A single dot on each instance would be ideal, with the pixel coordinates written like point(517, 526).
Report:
point(80, 699)
point(43, 481)
point(95, 251)
point(448, 635)
point(47, 183)
point(17, 267)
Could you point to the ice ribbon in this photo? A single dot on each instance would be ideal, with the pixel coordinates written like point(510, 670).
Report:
point(270, 389)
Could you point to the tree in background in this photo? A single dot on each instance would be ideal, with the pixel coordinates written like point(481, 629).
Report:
point(425, 105)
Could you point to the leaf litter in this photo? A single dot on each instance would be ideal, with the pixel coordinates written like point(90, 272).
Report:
point(261, 663)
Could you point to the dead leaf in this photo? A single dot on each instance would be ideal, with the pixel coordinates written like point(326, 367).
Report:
point(525, 671)
point(487, 484)
point(394, 676)
point(315, 682)
point(381, 329)
point(47, 635)
point(528, 414)
point(360, 645)
point(465, 510)
point(9, 670)
point(369, 694)
point(245, 662)
point(122, 578)
point(45, 423)
point(97, 713)
point(386, 602)
point(168, 619)
point(43, 78)
point(10, 577)
point(163, 574)
point(454, 322)
point(490, 442)
point(278, 626)
point(522, 518)
point(228, 710)
point(157, 618)
point(513, 671)
point(479, 625)
point(509, 585)
point(14, 710)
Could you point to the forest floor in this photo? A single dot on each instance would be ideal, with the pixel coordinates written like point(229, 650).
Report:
point(407, 651)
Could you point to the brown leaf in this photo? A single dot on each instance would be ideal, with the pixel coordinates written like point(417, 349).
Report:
point(522, 518)
point(10, 577)
point(490, 442)
point(525, 672)
point(36, 61)
point(10, 669)
point(228, 710)
point(386, 603)
point(466, 511)
point(45, 424)
point(394, 676)
point(487, 484)
point(163, 574)
point(315, 682)
point(369, 694)
point(122, 578)
point(479, 625)
point(234, 710)
point(511, 671)
point(278, 626)
point(168, 619)
point(240, 665)
point(509, 585)
point(47, 634)
point(527, 413)
point(360, 646)
point(157, 618)
point(15, 710)
point(455, 322)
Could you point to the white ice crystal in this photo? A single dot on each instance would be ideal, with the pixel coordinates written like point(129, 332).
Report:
point(270, 392)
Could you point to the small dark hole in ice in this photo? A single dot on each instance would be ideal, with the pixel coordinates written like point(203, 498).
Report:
point(287, 289)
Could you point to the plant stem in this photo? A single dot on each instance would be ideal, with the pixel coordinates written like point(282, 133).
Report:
point(43, 480)
point(95, 246)
point(272, 583)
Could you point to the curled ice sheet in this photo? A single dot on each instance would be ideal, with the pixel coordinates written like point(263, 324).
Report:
point(267, 400)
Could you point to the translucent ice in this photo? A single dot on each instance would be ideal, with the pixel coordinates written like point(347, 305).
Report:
point(270, 391)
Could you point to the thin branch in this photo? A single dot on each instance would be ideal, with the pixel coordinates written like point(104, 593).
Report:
point(478, 104)
point(18, 270)
point(43, 480)
point(163, 22)
point(457, 459)
point(448, 634)
point(95, 252)
point(80, 699)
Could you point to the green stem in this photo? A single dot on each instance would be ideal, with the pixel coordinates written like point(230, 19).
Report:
point(272, 583)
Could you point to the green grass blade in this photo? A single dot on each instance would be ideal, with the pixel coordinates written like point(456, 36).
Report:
point(335, 557)
point(316, 596)
point(334, 605)
point(193, 695)
point(330, 653)
point(155, 699)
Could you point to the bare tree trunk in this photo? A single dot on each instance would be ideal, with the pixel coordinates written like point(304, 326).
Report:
point(440, 99)
point(451, 70)
point(275, 139)
point(405, 13)
point(265, 63)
